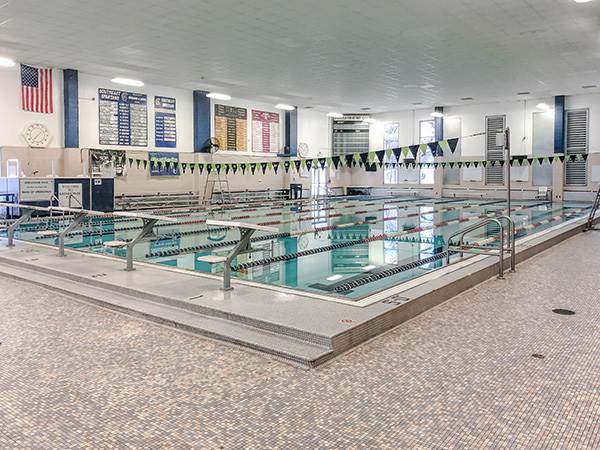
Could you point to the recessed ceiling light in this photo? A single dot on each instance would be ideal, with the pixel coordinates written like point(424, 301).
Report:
point(308, 107)
point(417, 103)
point(334, 277)
point(366, 108)
point(369, 267)
point(465, 99)
point(589, 86)
point(7, 62)
point(335, 115)
point(543, 106)
point(127, 81)
point(285, 107)
point(523, 93)
point(218, 96)
point(437, 114)
point(369, 120)
point(582, 1)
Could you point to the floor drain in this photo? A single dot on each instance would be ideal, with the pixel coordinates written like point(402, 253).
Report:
point(564, 312)
point(538, 356)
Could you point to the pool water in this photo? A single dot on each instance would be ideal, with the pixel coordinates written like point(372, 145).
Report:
point(340, 247)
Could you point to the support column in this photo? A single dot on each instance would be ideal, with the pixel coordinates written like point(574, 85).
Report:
point(558, 169)
point(71, 101)
point(291, 133)
point(202, 128)
point(438, 176)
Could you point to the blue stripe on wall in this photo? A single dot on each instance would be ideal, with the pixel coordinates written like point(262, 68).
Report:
point(71, 98)
point(202, 127)
point(559, 124)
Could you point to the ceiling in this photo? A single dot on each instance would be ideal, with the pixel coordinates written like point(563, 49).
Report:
point(329, 54)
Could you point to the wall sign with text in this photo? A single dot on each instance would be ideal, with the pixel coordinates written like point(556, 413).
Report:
point(165, 122)
point(265, 131)
point(122, 118)
point(231, 127)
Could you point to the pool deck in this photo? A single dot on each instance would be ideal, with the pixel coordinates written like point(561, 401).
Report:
point(460, 376)
point(290, 326)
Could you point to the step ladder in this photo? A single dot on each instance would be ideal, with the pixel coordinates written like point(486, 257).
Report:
point(594, 210)
point(214, 179)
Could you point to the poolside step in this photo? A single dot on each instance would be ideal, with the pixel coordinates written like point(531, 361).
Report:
point(281, 346)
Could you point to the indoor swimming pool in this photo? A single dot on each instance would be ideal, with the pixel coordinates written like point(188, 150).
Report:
point(345, 247)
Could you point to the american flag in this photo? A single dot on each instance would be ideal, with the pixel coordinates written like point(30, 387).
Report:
point(36, 89)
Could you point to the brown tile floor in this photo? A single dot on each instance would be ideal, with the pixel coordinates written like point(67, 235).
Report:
point(458, 376)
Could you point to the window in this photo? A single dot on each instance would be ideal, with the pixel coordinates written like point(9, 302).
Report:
point(391, 139)
point(426, 135)
point(12, 168)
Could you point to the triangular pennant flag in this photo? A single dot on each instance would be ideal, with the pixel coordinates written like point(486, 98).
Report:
point(286, 166)
point(130, 162)
point(275, 166)
point(423, 148)
point(467, 164)
point(380, 155)
point(234, 167)
point(209, 168)
point(183, 167)
point(336, 161)
point(529, 161)
point(388, 153)
point(433, 147)
point(168, 165)
point(137, 163)
point(502, 162)
point(243, 167)
point(227, 168)
point(322, 162)
point(349, 159)
point(297, 164)
point(414, 150)
point(192, 167)
point(364, 157)
point(584, 156)
point(540, 161)
point(252, 168)
point(475, 163)
point(452, 143)
point(451, 164)
point(145, 161)
point(217, 167)
point(308, 164)
point(561, 158)
point(484, 163)
point(200, 167)
point(263, 167)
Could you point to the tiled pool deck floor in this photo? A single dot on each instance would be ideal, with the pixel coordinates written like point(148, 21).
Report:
point(460, 375)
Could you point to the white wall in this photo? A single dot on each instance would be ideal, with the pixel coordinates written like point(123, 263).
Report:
point(314, 129)
point(13, 120)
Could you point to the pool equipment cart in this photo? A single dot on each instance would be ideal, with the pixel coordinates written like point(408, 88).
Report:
point(506, 238)
point(243, 246)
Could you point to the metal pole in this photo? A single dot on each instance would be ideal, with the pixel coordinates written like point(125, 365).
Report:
point(77, 220)
point(25, 216)
point(501, 251)
point(147, 230)
point(507, 147)
point(243, 245)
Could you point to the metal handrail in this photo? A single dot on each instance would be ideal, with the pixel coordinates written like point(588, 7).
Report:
point(508, 230)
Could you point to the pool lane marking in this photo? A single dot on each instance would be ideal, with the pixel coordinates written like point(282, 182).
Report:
point(311, 231)
point(378, 237)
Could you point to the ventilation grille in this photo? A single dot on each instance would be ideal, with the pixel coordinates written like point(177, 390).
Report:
point(577, 144)
point(493, 126)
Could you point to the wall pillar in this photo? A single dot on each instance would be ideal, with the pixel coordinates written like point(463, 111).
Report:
point(291, 133)
point(559, 124)
point(202, 128)
point(558, 177)
point(438, 176)
point(71, 101)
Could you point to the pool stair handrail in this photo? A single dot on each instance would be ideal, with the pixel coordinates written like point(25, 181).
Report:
point(26, 214)
point(506, 237)
point(593, 211)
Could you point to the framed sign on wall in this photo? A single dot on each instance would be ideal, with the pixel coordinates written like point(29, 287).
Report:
point(231, 127)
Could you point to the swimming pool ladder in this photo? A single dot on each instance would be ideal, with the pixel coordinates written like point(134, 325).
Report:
point(506, 238)
point(592, 216)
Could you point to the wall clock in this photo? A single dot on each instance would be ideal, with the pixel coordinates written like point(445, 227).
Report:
point(37, 135)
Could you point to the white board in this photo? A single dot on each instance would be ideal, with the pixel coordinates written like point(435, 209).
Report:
point(595, 174)
point(36, 189)
point(519, 173)
point(472, 174)
point(70, 195)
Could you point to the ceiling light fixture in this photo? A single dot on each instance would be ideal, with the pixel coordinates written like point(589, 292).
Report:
point(523, 93)
point(285, 107)
point(218, 96)
point(582, 1)
point(437, 114)
point(542, 106)
point(466, 99)
point(589, 86)
point(7, 62)
point(127, 81)
point(335, 115)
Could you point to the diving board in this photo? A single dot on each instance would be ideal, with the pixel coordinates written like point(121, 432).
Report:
point(243, 246)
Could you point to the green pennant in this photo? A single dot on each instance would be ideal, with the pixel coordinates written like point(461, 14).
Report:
point(389, 153)
point(405, 152)
point(423, 148)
